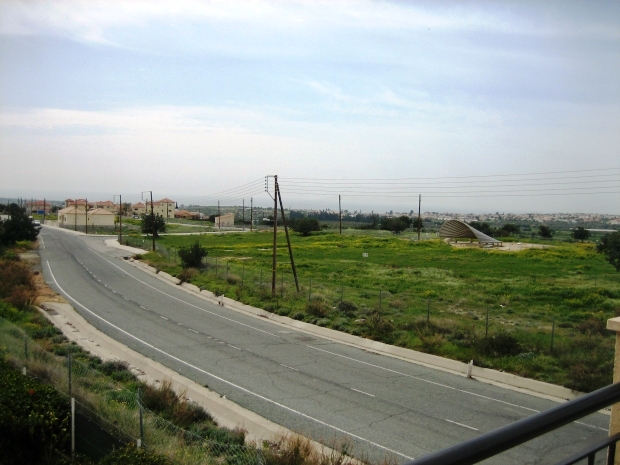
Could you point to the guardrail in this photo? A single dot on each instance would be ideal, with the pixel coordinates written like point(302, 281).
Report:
point(499, 440)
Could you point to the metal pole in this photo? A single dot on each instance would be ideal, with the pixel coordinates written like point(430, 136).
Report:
point(242, 272)
point(486, 332)
point(219, 217)
point(251, 213)
point(72, 428)
point(120, 220)
point(70, 370)
point(282, 283)
point(340, 214)
point(139, 397)
point(243, 220)
point(419, 215)
point(153, 219)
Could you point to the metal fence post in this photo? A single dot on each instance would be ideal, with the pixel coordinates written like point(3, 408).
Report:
point(552, 333)
point(242, 272)
point(310, 290)
point(72, 428)
point(139, 397)
point(70, 370)
point(486, 331)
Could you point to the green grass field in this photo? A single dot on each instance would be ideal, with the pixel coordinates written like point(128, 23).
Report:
point(430, 296)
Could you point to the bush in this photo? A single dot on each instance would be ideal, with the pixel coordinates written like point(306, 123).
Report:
point(500, 345)
point(34, 418)
point(347, 307)
point(305, 226)
point(187, 274)
point(317, 308)
point(17, 285)
point(191, 256)
point(130, 455)
point(18, 228)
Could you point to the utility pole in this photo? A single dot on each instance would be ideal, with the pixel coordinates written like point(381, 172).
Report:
point(251, 214)
point(153, 220)
point(288, 240)
point(120, 219)
point(243, 214)
point(43, 210)
point(152, 216)
point(86, 214)
point(219, 217)
point(275, 237)
point(340, 214)
point(419, 216)
point(75, 214)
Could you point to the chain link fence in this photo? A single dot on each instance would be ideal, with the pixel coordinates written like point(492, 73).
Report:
point(108, 416)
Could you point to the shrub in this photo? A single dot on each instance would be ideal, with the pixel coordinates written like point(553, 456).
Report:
point(233, 279)
point(187, 274)
point(500, 345)
point(130, 455)
point(191, 256)
point(317, 308)
point(347, 307)
point(34, 418)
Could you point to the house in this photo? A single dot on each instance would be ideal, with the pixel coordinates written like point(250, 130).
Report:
point(163, 207)
point(106, 205)
point(185, 214)
point(138, 209)
point(39, 206)
point(76, 217)
point(225, 221)
point(75, 203)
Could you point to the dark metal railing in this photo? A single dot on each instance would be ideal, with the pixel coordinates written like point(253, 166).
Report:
point(509, 436)
point(590, 453)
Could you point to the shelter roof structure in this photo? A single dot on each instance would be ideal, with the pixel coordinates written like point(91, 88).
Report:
point(455, 229)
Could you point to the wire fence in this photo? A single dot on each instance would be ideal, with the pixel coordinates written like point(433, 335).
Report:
point(109, 416)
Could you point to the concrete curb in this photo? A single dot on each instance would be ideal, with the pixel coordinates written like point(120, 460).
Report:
point(225, 412)
point(486, 375)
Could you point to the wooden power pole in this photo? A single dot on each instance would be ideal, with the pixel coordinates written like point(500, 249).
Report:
point(419, 216)
point(340, 214)
point(275, 237)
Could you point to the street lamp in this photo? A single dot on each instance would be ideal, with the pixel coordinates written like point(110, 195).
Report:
point(152, 216)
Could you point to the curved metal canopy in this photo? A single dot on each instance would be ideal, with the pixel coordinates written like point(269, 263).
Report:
point(455, 229)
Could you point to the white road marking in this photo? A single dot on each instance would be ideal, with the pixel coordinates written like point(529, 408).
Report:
point(234, 347)
point(144, 308)
point(42, 243)
point(194, 331)
point(461, 424)
point(286, 366)
point(443, 385)
point(183, 301)
point(236, 386)
point(362, 392)
point(163, 317)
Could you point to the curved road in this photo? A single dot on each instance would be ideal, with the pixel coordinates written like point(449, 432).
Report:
point(385, 406)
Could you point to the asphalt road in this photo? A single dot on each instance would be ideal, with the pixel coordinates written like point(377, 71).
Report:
point(384, 406)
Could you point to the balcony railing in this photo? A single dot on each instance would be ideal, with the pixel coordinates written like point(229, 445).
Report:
point(509, 436)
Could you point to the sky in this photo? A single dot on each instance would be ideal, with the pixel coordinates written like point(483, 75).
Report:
point(477, 106)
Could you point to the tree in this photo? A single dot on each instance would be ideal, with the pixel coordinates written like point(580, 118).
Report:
point(396, 225)
point(417, 222)
point(18, 227)
point(545, 232)
point(511, 229)
point(147, 224)
point(580, 234)
point(610, 247)
point(191, 256)
point(484, 228)
point(305, 226)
